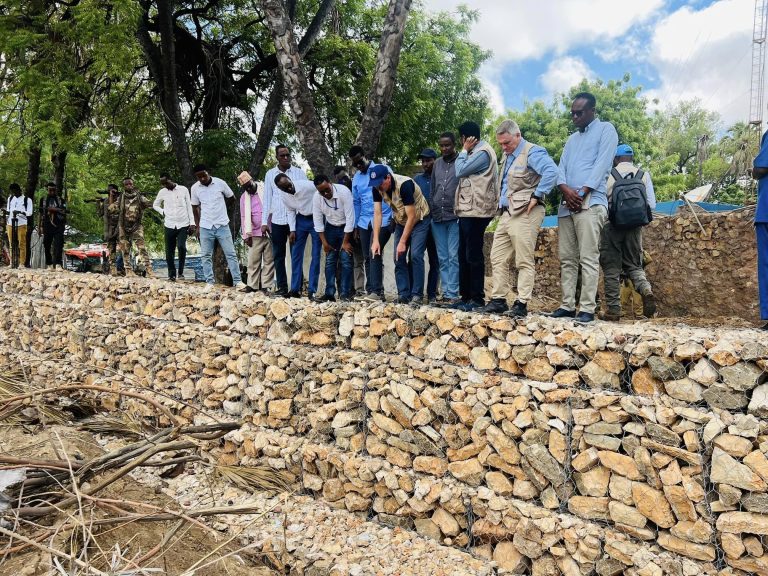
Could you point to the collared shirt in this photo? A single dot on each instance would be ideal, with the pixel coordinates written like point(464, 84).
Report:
point(362, 197)
point(23, 205)
point(468, 164)
point(274, 208)
point(424, 181)
point(300, 202)
point(761, 161)
point(625, 168)
point(586, 161)
point(540, 162)
point(256, 215)
point(175, 206)
point(210, 198)
point(338, 211)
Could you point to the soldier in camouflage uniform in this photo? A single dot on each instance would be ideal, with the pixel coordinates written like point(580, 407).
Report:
point(111, 220)
point(130, 210)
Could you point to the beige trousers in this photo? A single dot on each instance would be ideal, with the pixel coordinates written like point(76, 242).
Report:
point(579, 249)
point(516, 237)
point(21, 235)
point(261, 269)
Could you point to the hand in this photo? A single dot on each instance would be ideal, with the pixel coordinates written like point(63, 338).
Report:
point(327, 248)
point(197, 233)
point(375, 249)
point(572, 199)
point(292, 237)
point(347, 247)
point(192, 228)
point(402, 248)
point(531, 205)
point(265, 231)
point(249, 241)
point(469, 143)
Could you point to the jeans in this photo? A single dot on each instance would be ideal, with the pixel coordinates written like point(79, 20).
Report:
point(407, 289)
point(280, 234)
point(374, 267)
point(334, 235)
point(471, 258)
point(175, 238)
point(446, 236)
point(208, 238)
point(305, 228)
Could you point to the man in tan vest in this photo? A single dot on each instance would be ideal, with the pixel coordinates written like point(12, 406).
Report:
point(410, 212)
point(476, 203)
point(526, 175)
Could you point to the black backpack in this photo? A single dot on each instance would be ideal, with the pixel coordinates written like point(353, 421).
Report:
point(629, 201)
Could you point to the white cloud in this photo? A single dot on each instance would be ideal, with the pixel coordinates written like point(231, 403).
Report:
point(562, 73)
point(489, 75)
point(706, 54)
point(516, 31)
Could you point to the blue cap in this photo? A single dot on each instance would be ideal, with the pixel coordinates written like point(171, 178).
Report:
point(377, 173)
point(427, 153)
point(624, 150)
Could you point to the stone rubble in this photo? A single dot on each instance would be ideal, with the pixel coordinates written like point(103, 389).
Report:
point(542, 446)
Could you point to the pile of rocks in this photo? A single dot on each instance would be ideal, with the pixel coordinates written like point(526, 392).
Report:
point(538, 444)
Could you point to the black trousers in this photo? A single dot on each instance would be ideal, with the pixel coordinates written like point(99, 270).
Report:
point(53, 243)
point(471, 258)
point(175, 238)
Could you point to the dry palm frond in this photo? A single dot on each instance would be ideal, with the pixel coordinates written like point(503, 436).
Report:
point(120, 424)
point(13, 383)
point(260, 478)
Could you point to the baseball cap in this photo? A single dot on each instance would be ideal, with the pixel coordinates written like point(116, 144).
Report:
point(377, 174)
point(427, 153)
point(624, 150)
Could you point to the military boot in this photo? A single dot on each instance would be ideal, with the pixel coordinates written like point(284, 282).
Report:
point(129, 273)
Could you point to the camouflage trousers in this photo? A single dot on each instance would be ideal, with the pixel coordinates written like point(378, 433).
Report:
point(135, 237)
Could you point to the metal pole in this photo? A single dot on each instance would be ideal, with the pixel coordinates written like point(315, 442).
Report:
point(14, 242)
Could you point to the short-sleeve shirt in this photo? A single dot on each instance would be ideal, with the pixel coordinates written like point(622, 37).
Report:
point(210, 198)
point(407, 191)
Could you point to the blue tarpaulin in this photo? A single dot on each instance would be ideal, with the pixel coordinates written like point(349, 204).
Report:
point(666, 208)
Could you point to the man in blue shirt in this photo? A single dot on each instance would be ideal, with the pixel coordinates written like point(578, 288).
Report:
point(584, 166)
point(362, 199)
point(424, 180)
point(527, 174)
point(760, 173)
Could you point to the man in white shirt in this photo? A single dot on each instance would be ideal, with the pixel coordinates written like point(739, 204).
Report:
point(274, 213)
point(19, 208)
point(297, 198)
point(209, 206)
point(334, 217)
point(174, 204)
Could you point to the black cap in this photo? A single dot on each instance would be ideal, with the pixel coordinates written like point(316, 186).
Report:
point(427, 153)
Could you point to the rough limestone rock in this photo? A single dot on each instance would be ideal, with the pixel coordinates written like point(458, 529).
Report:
point(727, 470)
point(664, 368)
point(758, 404)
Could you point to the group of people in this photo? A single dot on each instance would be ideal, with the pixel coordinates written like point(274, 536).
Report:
point(442, 212)
point(19, 226)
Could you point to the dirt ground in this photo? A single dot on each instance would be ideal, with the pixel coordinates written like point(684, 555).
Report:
point(112, 549)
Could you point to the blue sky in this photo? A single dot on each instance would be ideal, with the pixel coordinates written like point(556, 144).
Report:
point(675, 49)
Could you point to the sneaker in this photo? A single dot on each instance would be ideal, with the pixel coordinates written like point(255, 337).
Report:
point(416, 302)
point(519, 310)
point(562, 313)
point(209, 287)
point(495, 306)
point(241, 286)
point(181, 277)
point(649, 304)
point(611, 315)
point(171, 279)
point(281, 293)
point(368, 298)
point(584, 318)
point(347, 299)
point(324, 298)
point(447, 302)
point(473, 306)
point(457, 304)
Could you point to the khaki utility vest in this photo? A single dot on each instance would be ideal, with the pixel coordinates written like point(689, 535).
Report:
point(521, 181)
point(478, 195)
point(396, 202)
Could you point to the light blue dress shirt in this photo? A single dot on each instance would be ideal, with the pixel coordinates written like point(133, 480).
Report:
point(362, 199)
point(477, 163)
point(587, 160)
point(540, 162)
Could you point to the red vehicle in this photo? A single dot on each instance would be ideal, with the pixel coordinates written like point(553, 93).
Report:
point(87, 258)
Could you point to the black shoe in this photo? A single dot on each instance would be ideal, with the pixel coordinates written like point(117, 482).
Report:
point(347, 299)
point(519, 309)
point(457, 304)
point(585, 317)
point(765, 327)
point(403, 300)
point(281, 293)
point(416, 302)
point(649, 305)
point(495, 306)
point(248, 290)
point(473, 306)
point(562, 313)
point(325, 298)
point(293, 294)
point(171, 279)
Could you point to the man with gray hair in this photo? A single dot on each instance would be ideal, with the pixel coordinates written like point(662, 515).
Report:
point(526, 175)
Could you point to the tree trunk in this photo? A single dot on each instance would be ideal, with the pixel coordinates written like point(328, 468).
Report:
point(267, 128)
point(162, 67)
point(382, 87)
point(289, 62)
point(59, 160)
point(33, 169)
